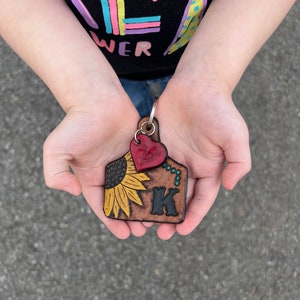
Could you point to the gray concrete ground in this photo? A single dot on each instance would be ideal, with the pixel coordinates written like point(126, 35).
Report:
point(53, 247)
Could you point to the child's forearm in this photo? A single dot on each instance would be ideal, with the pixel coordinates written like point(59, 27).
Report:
point(229, 36)
point(48, 37)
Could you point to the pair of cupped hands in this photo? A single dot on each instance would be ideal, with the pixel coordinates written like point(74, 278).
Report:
point(199, 124)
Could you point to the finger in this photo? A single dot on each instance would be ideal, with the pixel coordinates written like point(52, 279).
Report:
point(57, 173)
point(233, 173)
point(238, 163)
point(137, 228)
point(166, 231)
point(205, 193)
point(148, 224)
point(94, 196)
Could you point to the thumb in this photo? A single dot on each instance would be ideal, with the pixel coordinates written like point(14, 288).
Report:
point(57, 171)
point(238, 164)
point(233, 173)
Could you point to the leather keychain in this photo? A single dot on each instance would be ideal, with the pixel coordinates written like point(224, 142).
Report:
point(146, 184)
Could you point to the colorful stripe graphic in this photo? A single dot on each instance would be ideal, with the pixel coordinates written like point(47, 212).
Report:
point(114, 16)
point(85, 13)
point(189, 23)
point(142, 25)
point(106, 15)
point(116, 23)
point(121, 16)
point(142, 31)
point(142, 20)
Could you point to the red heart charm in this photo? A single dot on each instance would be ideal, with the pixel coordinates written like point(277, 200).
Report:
point(147, 153)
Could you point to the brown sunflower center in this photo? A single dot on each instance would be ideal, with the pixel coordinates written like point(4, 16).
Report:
point(115, 172)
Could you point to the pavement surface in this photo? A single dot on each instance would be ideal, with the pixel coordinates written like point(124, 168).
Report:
point(53, 247)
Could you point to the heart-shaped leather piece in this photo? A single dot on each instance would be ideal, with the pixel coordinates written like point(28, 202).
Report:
point(147, 153)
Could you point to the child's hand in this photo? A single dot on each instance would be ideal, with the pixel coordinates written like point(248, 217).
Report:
point(86, 140)
point(202, 129)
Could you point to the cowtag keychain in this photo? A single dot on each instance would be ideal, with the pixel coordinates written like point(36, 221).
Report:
point(146, 184)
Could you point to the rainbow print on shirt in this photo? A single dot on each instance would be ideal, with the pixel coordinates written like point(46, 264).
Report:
point(190, 21)
point(116, 23)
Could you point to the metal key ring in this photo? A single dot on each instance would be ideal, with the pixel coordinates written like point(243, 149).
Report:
point(147, 128)
point(136, 134)
point(150, 121)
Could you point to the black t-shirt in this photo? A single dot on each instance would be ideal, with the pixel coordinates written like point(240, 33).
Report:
point(141, 39)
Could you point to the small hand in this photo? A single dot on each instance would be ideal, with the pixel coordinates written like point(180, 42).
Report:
point(203, 130)
point(85, 141)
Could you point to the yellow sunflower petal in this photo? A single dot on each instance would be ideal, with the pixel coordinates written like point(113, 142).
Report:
point(116, 209)
point(122, 199)
point(128, 156)
point(133, 196)
point(130, 167)
point(140, 176)
point(132, 183)
point(109, 201)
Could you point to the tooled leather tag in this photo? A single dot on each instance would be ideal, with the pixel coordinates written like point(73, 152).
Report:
point(146, 184)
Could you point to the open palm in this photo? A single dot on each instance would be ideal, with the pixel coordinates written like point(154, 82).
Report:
point(87, 140)
point(203, 130)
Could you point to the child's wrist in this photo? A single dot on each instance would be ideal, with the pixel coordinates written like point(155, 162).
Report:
point(92, 96)
point(200, 83)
